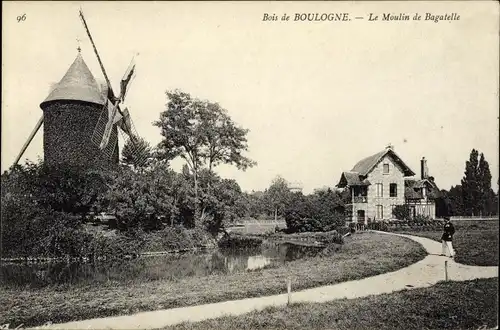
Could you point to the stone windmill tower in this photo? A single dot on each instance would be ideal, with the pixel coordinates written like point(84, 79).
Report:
point(81, 119)
point(70, 113)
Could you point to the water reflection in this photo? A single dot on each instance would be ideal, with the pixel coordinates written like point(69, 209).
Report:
point(169, 267)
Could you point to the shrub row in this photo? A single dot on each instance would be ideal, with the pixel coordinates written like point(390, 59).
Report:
point(238, 241)
point(398, 225)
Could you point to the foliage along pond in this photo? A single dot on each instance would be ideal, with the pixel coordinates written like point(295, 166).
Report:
point(166, 267)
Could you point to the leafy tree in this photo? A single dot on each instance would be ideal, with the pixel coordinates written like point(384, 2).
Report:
point(256, 204)
point(299, 210)
point(38, 203)
point(138, 154)
point(225, 140)
point(278, 194)
point(183, 134)
point(329, 209)
point(218, 200)
point(60, 187)
point(321, 211)
point(202, 134)
point(146, 199)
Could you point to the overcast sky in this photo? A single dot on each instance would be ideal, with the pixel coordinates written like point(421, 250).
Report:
point(316, 96)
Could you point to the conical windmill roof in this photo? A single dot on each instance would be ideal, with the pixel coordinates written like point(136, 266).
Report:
point(78, 84)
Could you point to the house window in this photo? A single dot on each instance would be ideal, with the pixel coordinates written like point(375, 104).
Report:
point(380, 190)
point(386, 168)
point(380, 212)
point(393, 190)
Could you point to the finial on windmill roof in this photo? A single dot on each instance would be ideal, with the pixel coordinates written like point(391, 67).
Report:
point(390, 146)
point(78, 48)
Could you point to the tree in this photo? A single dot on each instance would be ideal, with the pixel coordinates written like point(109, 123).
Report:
point(201, 133)
point(138, 154)
point(456, 198)
point(145, 199)
point(478, 197)
point(321, 211)
point(298, 210)
point(470, 185)
point(278, 194)
point(38, 207)
point(225, 140)
point(60, 187)
point(329, 209)
point(486, 194)
point(444, 204)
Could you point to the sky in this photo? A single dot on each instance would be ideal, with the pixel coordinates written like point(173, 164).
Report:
point(316, 96)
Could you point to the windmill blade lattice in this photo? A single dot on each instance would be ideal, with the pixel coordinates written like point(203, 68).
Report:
point(99, 133)
point(137, 148)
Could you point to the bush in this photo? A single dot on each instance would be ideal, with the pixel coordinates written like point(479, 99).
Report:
point(177, 238)
point(43, 212)
point(419, 218)
point(401, 212)
point(236, 241)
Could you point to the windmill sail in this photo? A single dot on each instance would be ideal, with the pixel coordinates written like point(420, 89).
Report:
point(127, 80)
point(137, 147)
point(27, 143)
point(99, 132)
point(126, 124)
point(105, 133)
point(113, 118)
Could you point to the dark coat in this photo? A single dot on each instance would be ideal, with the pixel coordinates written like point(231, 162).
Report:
point(448, 231)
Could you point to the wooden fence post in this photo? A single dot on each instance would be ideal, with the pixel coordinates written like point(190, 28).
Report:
point(289, 290)
point(446, 270)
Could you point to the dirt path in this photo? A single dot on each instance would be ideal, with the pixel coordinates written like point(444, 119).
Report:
point(424, 273)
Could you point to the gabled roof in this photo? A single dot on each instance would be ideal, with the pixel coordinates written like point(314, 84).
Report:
point(366, 165)
point(412, 189)
point(352, 179)
point(78, 84)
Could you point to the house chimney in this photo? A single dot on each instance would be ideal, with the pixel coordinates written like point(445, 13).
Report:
point(424, 172)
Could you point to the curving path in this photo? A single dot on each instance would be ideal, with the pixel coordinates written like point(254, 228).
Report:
point(424, 273)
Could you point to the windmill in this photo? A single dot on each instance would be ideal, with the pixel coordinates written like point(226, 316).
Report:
point(81, 120)
point(112, 115)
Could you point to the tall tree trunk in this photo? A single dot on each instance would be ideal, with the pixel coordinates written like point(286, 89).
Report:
point(196, 202)
point(276, 214)
point(210, 176)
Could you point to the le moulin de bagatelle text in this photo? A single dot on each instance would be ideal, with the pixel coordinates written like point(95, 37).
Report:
point(344, 17)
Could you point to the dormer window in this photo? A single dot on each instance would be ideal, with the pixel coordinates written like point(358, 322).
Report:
point(386, 168)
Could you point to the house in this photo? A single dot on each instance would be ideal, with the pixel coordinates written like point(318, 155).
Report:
point(378, 183)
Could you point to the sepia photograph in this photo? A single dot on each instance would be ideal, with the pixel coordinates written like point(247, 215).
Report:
point(250, 165)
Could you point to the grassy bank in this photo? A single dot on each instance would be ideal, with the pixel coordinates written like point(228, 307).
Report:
point(447, 305)
point(363, 255)
point(476, 241)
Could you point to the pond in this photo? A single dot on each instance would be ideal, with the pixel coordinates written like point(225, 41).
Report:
point(167, 267)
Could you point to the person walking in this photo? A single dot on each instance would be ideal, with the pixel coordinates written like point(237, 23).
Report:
point(447, 238)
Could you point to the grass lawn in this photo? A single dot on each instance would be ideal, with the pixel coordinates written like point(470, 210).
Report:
point(475, 241)
point(447, 305)
point(364, 254)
